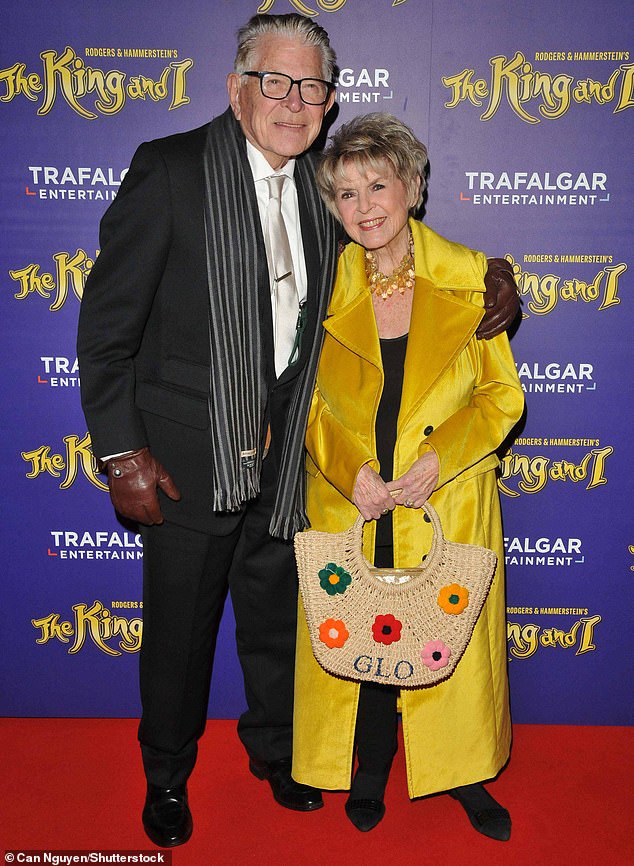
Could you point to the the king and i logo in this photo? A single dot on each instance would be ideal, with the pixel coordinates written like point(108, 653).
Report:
point(524, 640)
point(88, 90)
point(69, 276)
point(530, 473)
point(95, 622)
point(315, 7)
point(77, 456)
point(516, 81)
point(544, 292)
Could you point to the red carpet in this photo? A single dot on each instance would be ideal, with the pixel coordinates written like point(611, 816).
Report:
point(76, 784)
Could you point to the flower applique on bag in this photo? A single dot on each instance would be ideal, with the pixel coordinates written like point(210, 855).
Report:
point(407, 627)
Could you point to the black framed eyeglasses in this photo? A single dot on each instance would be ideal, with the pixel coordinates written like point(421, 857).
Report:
point(277, 85)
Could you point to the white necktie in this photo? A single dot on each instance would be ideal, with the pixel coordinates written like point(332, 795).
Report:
point(286, 301)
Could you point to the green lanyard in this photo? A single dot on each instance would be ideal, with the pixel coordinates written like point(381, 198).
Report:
point(300, 327)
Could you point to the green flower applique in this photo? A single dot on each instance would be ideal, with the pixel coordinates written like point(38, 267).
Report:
point(334, 579)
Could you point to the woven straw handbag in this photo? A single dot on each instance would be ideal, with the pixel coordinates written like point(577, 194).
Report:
point(399, 626)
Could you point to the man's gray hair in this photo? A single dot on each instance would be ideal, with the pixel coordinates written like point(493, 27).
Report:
point(373, 141)
point(292, 26)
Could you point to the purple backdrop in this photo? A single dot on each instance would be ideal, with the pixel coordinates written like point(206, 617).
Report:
point(527, 113)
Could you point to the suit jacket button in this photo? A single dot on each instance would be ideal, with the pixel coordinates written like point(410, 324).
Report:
point(429, 429)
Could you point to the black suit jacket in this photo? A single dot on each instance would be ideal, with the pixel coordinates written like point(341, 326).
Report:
point(143, 341)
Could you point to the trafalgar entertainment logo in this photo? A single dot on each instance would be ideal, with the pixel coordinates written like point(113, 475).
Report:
point(578, 463)
point(557, 188)
point(365, 86)
point(556, 377)
point(90, 91)
point(57, 371)
point(534, 94)
point(66, 544)
point(55, 282)
point(545, 551)
point(110, 632)
point(73, 183)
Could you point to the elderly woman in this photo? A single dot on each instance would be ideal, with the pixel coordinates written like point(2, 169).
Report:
point(409, 405)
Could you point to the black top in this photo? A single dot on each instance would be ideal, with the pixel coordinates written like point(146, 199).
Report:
point(393, 358)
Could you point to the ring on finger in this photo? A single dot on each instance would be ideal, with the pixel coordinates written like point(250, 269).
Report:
point(408, 503)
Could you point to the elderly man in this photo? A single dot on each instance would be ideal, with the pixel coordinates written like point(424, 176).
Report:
point(198, 343)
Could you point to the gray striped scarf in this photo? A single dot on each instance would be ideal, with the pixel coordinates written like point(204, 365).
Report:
point(238, 385)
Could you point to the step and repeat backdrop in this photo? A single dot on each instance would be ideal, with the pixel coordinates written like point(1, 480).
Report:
point(527, 110)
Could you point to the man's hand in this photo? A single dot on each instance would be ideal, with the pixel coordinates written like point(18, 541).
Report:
point(501, 300)
point(133, 479)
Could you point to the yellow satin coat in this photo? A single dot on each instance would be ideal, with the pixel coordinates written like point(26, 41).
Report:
point(467, 390)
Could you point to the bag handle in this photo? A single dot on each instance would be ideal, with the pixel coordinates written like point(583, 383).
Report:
point(428, 508)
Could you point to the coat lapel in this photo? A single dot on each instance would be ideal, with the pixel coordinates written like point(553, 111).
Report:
point(443, 320)
point(441, 326)
point(353, 323)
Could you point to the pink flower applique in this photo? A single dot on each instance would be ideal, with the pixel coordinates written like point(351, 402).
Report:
point(435, 654)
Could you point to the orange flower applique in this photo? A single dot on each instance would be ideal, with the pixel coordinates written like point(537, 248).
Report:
point(453, 598)
point(333, 633)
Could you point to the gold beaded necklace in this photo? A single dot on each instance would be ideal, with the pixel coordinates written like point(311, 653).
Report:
point(400, 279)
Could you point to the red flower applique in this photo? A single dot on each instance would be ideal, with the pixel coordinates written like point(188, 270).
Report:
point(386, 629)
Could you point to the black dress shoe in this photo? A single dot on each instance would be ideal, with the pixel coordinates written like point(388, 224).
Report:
point(286, 790)
point(365, 814)
point(166, 816)
point(485, 813)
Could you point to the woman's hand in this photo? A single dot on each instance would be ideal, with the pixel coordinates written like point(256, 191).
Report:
point(371, 494)
point(415, 487)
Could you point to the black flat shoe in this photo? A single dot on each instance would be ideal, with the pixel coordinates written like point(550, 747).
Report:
point(365, 814)
point(286, 790)
point(166, 816)
point(485, 813)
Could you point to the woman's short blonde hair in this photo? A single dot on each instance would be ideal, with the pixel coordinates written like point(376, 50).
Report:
point(373, 141)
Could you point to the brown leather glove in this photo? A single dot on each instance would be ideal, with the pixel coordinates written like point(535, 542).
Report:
point(501, 299)
point(133, 479)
